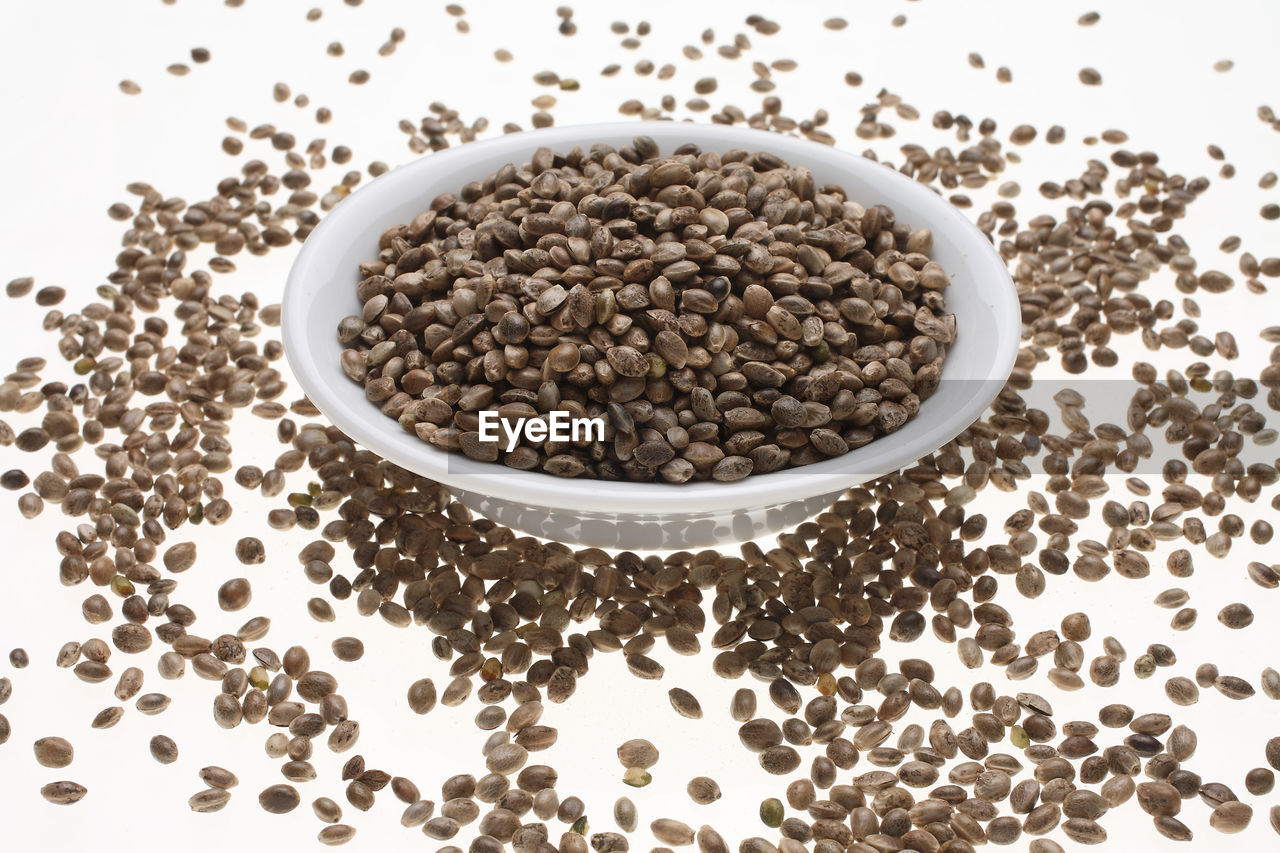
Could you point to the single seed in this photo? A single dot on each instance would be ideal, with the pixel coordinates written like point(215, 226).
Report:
point(336, 834)
point(672, 832)
point(235, 594)
point(1182, 691)
point(107, 717)
point(685, 703)
point(1233, 687)
point(163, 749)
point(638, 753)
point(1259, 781)
point(218, 777)
point(250, 551)
point(771, 812)
point(703, 790)
point(63, 793)
point(624, 814)
point(54, 752)
point(1271, 683)
point(743, 705)
point(422, 696)
point(348, 649)
point(636, 777)
point(1231, 817)
point(279, 799)
point(209, 800)
point(1236, 616)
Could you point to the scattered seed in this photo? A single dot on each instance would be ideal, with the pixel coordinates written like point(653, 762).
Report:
point(636, 777)
point(638, 753)
point(672, 832)
point(279, 799)
point(235, 594)
point(63, 793)
point(1233, 687)
point(1236, 616)
point(209, 800)
point(1231, 817)
point(624, 814)
point(163, 749)
point(54, 752)
point(703, 790)
point(685, 703)
point(348, 649)
point(336, 834)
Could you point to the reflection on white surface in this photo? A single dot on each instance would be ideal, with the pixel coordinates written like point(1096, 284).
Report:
point(647, 531)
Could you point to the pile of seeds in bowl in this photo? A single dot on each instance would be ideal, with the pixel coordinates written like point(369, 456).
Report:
point(870, 755)
point(720, 312)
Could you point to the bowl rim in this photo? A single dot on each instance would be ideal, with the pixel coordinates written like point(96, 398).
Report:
point(370, 428)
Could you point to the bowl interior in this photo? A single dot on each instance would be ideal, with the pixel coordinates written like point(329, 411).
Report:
point(321, 291)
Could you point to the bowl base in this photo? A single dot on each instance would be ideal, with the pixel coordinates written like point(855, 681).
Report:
point(647, 532)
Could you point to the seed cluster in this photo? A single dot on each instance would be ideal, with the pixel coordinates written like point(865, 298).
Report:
point(520, 621)
point(724, 314)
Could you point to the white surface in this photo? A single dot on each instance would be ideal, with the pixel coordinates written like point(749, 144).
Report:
point(73, 141)
point(320, 292)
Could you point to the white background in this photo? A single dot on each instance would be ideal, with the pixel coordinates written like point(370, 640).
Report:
point(72, 141)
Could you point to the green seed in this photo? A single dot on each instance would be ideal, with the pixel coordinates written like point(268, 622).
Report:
point(259, 678)
point(771, 812)
point(636, 777)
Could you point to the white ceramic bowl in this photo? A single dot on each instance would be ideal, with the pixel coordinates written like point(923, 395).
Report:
point(321, 291)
